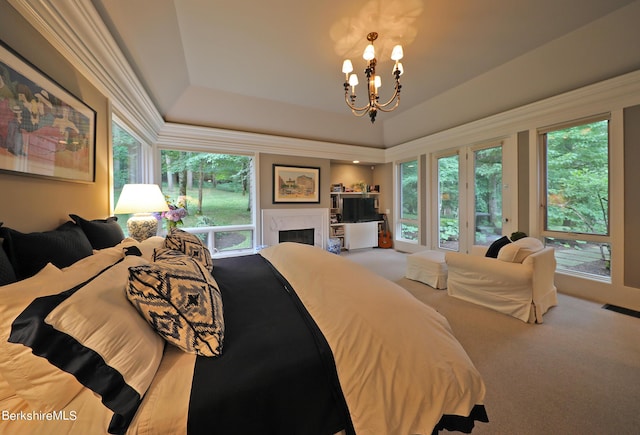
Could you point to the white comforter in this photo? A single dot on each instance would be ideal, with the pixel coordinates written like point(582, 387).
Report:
point(399, 365)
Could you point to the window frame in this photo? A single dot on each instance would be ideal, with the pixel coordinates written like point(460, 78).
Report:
point(144, 163)
point(211, 231)
point(459, 153)
point(400, 221)
point(472, 193)
point(542, 217)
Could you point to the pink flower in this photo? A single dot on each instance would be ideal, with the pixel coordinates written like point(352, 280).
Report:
point(175, 214)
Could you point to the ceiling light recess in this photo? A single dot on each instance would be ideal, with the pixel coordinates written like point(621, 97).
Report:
point(373, 82)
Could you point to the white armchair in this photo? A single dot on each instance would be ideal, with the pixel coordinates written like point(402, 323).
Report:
point(524, 290)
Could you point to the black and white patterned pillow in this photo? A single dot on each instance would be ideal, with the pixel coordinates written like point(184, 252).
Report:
point(190, 244)
point(180, 299)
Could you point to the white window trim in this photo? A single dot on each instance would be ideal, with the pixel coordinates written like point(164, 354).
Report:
point(254, 227)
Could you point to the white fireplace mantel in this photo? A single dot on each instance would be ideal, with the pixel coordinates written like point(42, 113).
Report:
point(285, 219)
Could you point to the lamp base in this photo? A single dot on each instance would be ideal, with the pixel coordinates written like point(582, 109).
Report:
point(141, 226)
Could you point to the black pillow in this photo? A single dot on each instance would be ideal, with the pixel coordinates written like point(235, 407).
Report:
point(495, 246)
point(102, 233)
point(30, 252)
point(7, 275)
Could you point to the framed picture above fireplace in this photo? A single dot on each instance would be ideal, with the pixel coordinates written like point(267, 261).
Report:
point(296, 184)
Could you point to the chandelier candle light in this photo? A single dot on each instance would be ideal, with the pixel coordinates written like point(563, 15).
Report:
point(373, 82)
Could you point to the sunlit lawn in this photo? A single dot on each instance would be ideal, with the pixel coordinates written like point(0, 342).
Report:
point(219, 208)
point(225, 207)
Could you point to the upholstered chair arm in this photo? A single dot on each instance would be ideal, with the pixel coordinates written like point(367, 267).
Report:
point(543, 264)
point(481, 268)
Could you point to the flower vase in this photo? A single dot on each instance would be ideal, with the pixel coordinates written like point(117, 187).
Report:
point(170, 225)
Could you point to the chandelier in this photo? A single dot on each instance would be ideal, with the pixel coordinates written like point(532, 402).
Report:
point(373, 82)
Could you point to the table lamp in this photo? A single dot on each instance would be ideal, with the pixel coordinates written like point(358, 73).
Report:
point(141, 200)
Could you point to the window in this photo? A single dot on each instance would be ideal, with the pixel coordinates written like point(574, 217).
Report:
point(576, 196)
point(448, 202)
point(127, 164)
point(408, 223)
point(217, 191)
point(487, 164)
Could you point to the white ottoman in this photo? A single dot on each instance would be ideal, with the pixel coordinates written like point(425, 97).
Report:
point(428, 267)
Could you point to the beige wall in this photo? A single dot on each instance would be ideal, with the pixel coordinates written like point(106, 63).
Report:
point(30, 203)
point(631, 202)
point(330, 173)
point(265, 182)
point(350, 174)
point(383, 177)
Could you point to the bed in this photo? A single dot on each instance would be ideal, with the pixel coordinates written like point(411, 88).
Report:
point(157, 337)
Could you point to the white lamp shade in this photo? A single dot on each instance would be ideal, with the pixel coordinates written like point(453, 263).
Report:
point(141, 198)
point(369, 52)
point(353, 80)
point(397, 53)
point(377, 82)
point(347, 66)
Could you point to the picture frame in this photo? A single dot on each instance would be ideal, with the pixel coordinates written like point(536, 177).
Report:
point(45, 131)
point(296, 184)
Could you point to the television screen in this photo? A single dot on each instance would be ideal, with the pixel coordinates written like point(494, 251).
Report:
point(359, 210)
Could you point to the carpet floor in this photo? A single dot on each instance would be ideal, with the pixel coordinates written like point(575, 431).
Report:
point(576, 373)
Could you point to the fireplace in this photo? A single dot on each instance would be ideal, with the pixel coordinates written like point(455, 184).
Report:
point(300, 236)
point(312, 221)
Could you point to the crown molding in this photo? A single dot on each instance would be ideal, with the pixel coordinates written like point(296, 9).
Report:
point(179, 136)
point(76, 30)
point(616, 93)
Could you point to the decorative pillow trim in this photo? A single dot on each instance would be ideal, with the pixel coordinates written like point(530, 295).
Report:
point(64, 352)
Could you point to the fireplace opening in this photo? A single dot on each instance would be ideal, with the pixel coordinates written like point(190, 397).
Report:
point(299, 236)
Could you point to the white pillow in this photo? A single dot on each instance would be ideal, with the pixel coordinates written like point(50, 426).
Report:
point(100, 317)
point(44, 386)
point(509, 253)
point(90, 330)
point(528, 246)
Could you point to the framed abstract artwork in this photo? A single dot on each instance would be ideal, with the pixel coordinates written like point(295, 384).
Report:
point(44, 130)
point(296, 184)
